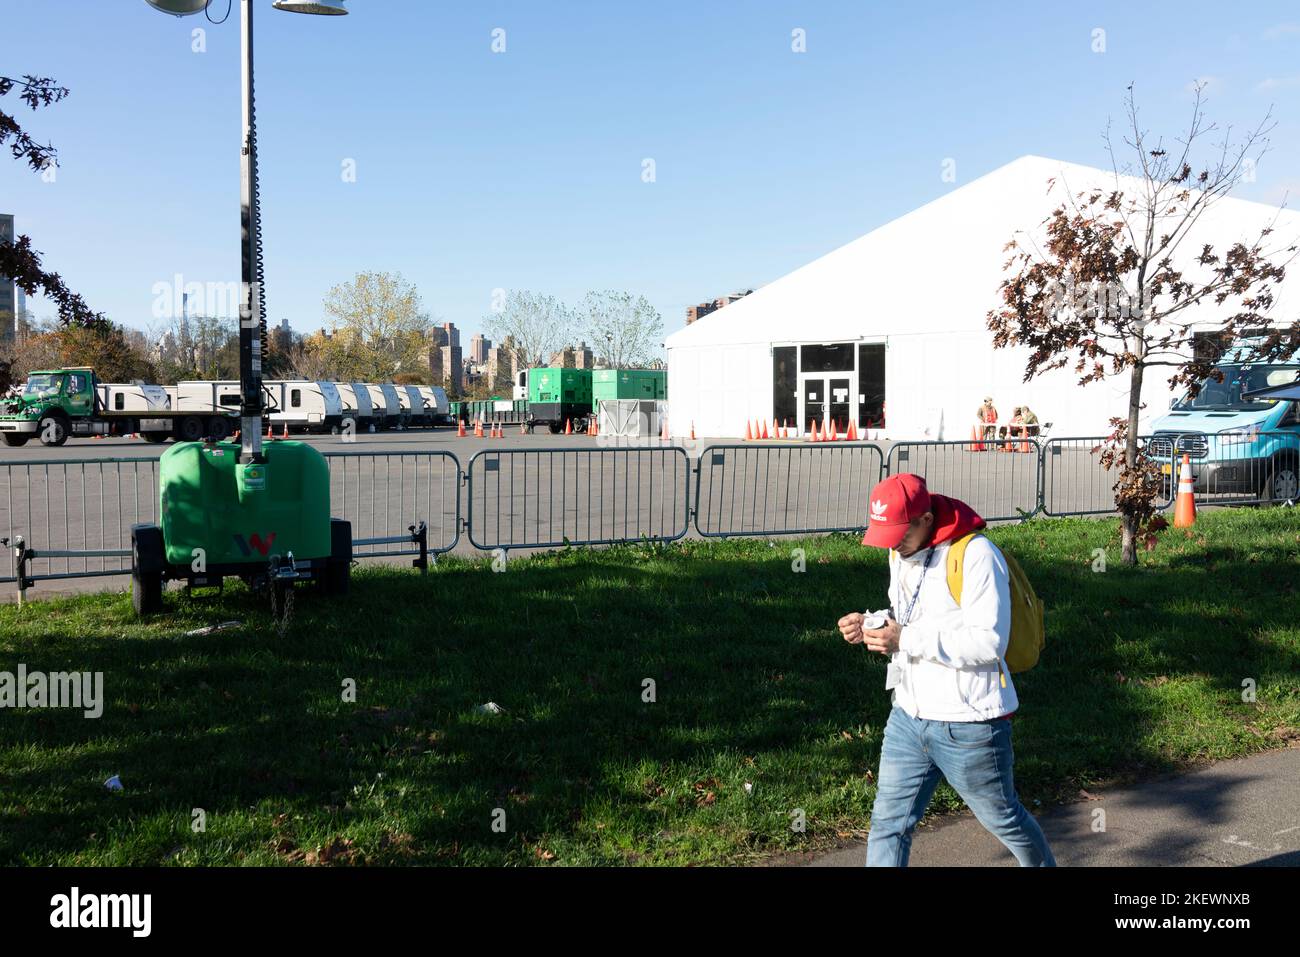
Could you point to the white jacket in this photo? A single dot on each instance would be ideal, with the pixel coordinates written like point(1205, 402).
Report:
point(949, 667)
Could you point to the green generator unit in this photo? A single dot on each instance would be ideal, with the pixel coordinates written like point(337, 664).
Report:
point(557, 396)
point(642, 384)
point(267, 522)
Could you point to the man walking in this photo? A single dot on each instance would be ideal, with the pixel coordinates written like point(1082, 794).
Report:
point(952, 693)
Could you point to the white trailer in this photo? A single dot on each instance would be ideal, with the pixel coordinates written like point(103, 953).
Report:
point(303, 404)
point(435, 401)
point(209, 405)
point(357, 409)
point(388, 409)
point(132, 397)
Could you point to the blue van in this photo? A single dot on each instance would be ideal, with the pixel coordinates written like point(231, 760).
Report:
point(1238, 447)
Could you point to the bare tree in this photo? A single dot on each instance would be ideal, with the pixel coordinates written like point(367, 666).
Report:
point(1117, 288)
point(539, 325)
point(627, 328)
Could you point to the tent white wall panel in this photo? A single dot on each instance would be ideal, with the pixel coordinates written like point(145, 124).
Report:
point(925, 283)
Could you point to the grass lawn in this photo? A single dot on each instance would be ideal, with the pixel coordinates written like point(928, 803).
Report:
point(1142, 673)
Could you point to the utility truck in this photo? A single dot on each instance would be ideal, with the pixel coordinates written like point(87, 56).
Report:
point(58, 403)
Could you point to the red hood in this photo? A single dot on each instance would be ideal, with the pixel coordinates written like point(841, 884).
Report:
point(953, 518)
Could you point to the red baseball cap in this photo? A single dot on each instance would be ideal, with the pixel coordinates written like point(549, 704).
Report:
point(895, 502)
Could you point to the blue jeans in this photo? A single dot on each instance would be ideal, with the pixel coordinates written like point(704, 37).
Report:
point(975, 758)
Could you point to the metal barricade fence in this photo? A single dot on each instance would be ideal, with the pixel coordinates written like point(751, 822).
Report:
point(384, 494)
point(1074, 481)
point(999, 479)
point(537, 498)
point(784, 489)
point(76, 513)
point(1242, 467)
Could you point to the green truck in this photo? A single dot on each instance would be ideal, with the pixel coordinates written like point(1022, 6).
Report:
point(58, 403)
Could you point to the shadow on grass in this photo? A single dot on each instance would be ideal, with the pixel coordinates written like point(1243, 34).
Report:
point(751, 684)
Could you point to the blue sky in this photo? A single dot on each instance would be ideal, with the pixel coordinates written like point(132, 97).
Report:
point(478, 170)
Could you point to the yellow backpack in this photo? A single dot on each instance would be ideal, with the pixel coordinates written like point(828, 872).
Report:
point(1027, 632)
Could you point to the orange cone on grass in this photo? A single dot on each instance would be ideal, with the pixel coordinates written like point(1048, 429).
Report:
point(1185, 505)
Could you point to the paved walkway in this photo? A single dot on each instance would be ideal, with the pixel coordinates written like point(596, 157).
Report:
point(1244, 811)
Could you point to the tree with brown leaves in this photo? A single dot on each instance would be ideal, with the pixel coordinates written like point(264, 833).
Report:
point(1124, 269)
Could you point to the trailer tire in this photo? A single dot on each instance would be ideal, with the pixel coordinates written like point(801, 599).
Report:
point(157, 438)
point(554, 427)
point(14, 440)
point(147, 561)
point(219, 428)
point(189, 429)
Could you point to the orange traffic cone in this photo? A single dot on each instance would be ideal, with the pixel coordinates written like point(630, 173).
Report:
point(749, 435)
point(1185, 505)
point(815, 434)
point(976, 445)
point(692, 430)
point(853, 431)
point(830, 430)
point(594, 428)
point(235, 437)
point(779, 432)
point(285, 435)
point(568, 426)
point(765, 435)
point(460, 428)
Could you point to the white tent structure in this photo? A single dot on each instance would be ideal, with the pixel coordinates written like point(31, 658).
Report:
point(895, 323)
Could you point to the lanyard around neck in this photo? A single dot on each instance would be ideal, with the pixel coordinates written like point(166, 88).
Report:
point(907, 613)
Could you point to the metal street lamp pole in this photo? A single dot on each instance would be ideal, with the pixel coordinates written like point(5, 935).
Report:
point(252, 321)
point(250, 241)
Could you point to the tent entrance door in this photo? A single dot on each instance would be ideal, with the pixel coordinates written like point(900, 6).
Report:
point(826, 399)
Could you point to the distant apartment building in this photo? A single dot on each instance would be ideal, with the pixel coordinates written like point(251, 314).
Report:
point(445, 361)
point(571, 357)
point(703, 309)
point(479, 348)
point(502, 365)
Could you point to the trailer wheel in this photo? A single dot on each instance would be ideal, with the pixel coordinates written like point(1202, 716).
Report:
point(147, 560)
point(53, 430)
point(157, 438)
point(554, 427)
point(218, 428)
point(190, 429)
point(14, 440)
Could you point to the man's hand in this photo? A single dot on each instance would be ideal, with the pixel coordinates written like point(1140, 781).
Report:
point(883, 640)
point(851, 627)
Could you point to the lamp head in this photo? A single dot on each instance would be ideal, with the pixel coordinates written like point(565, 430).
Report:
point(179, 8)
point(333, 8)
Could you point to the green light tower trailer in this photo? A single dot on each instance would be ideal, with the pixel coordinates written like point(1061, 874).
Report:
point(261, 513)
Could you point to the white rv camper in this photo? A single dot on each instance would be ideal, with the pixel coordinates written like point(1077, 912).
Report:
point(135, 397)
point(212, 404)
point(435, 402)
point(388, 410)
point(305, 405)
point(357, 408)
